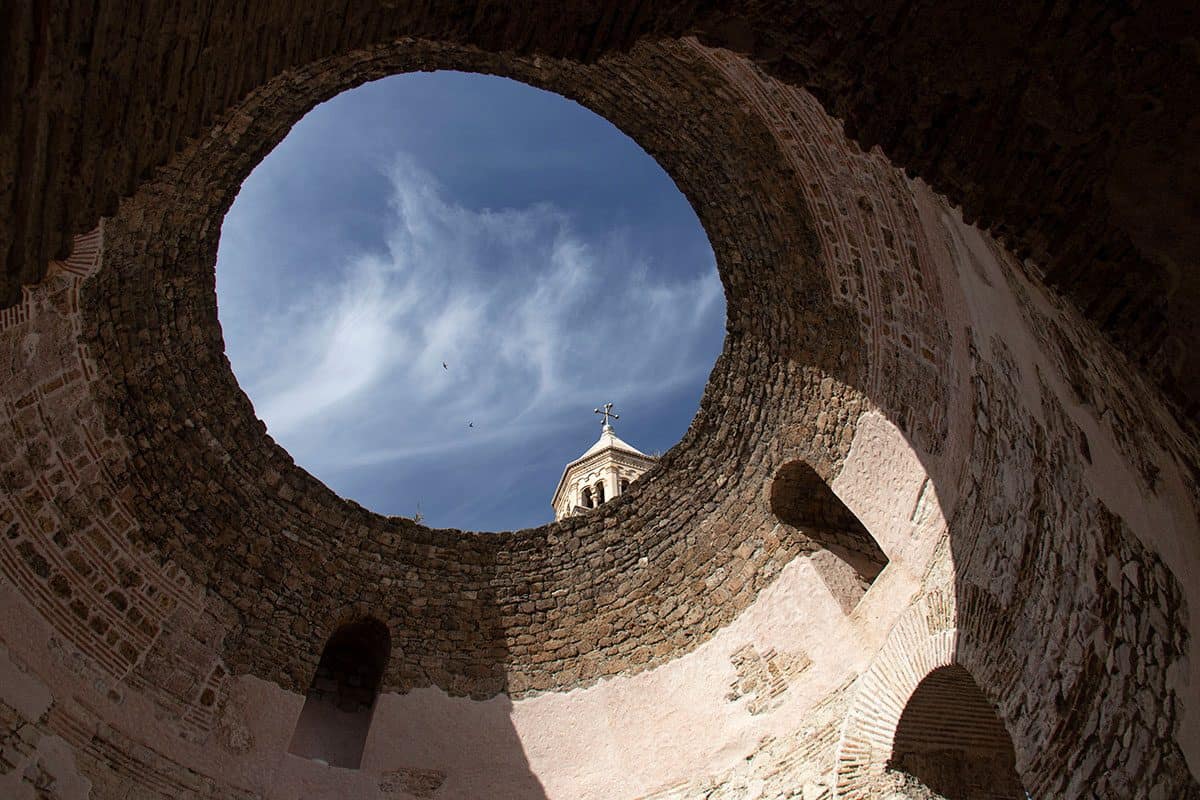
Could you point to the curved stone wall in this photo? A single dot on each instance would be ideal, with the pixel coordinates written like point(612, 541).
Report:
point(217, 496)
point(170, 576)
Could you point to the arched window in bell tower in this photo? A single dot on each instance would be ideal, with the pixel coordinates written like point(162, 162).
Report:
point(599, 492)
point(586, 498)
point(337, 711)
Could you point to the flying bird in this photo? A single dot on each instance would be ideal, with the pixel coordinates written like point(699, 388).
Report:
point(444, 365)
point(470, 424)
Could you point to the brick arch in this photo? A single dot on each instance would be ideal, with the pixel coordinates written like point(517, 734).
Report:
point(924, 640)
point(341, 696)
point(941, 629)
point(952, 741)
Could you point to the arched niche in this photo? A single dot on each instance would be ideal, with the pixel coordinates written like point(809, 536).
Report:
point(848, 558)
point(951, 740)
point(337, 711)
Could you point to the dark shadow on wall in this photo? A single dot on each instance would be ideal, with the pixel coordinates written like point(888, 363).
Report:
point(421, 742)
point(1054, 567)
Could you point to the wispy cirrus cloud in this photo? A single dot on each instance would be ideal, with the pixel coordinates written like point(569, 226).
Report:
point(534, 321)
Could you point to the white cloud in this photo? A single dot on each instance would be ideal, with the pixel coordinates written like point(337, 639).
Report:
point(535, 323)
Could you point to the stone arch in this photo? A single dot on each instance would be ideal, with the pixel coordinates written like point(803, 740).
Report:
point(340, 701)
point(928, 638)
point(950, 739)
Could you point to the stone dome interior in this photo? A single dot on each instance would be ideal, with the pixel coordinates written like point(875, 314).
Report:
point(936, 466)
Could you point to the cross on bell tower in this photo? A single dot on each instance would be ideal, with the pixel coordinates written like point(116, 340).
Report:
point(606, 411)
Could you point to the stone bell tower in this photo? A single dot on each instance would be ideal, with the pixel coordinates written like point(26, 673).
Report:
point(604, 471)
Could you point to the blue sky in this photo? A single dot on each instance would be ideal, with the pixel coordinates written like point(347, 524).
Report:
point(472, 220)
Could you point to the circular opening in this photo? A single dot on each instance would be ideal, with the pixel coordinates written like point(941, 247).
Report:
point(226, 502)
point(427, 287)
